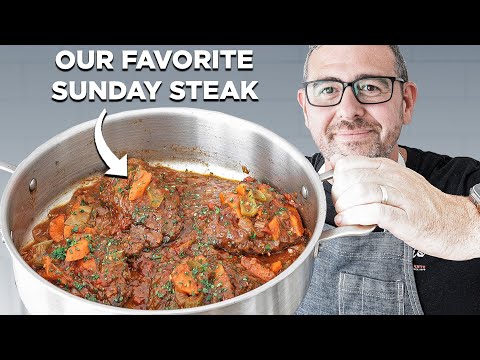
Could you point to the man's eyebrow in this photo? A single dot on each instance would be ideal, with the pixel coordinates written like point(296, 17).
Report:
point(357, 77)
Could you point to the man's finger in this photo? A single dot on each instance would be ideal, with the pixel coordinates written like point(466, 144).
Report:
point(368, 193)
point(385, 216)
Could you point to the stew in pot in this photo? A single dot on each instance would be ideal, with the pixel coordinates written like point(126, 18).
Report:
point(166, 239)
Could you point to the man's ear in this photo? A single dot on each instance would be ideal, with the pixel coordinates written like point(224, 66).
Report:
point(302, 101)
point(409, 100)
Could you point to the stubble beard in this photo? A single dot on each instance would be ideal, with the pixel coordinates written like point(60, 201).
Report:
point(372, 147)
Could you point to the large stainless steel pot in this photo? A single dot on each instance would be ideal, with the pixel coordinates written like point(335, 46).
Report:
point(193, 139)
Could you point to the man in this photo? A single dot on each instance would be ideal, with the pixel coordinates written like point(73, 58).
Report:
point(355, 101)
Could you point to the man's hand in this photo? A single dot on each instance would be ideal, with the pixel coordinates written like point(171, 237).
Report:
point(416, 212)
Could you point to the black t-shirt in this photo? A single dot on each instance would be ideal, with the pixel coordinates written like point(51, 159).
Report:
point(444, 287)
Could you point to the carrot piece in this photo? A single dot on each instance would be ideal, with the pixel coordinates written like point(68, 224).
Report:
point(296, 221)
point(89, 230)
point(232, 200)
point(47, 265)
point(211, 205)
point(257, 269)
point(276, 266)
point(141, 180)
point(67, 231)
point(241, 189)
point(183, 280)
point(55, 228)
point(89, 264)
point(52, 272)
point(274, 227)
point(222, 283)
point(77, 251)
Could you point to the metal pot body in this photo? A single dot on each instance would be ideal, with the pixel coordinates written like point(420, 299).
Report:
point(182, 138)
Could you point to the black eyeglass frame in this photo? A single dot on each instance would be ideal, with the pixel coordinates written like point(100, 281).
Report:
point(347, 84)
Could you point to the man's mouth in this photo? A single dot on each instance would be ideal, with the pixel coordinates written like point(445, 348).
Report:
point(354, 134)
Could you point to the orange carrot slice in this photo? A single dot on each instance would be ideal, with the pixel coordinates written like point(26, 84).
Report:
point(296, 221)
point(55, 228)
point(274, 227)
point(276, 266)
point(184, 281)
point(77, 251)
point(141, 181)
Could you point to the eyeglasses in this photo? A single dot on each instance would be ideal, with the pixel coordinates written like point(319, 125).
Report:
point(370, 90)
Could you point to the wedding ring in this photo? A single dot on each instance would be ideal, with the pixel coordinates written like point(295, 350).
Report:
point(384, 194)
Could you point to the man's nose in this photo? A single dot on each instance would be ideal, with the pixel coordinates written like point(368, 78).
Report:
point(349, 108)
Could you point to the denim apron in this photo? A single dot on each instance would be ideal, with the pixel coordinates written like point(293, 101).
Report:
point(371, 275)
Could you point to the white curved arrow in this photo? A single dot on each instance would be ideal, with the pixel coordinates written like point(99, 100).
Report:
point(117, 167)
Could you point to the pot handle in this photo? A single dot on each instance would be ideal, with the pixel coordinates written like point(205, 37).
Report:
point(342, 231)
point(7, 167)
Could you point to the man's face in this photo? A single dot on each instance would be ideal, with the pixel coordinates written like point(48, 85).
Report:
point(352, 128)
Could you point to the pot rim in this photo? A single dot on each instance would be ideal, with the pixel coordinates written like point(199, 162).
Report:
point(211, 116)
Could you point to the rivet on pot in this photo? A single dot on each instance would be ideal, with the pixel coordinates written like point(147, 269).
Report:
point(304, 192)
point(33, 185)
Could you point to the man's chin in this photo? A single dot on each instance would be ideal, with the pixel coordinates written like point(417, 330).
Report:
point(357, 149)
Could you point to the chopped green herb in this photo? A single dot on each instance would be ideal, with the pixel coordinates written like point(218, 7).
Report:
point(59, 253)
point(71, 242)
point(91, 297)
point(78, 285)
point(169, 287)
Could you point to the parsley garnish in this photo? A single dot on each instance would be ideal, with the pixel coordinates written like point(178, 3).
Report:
point(78, 285)
point(59, 253)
